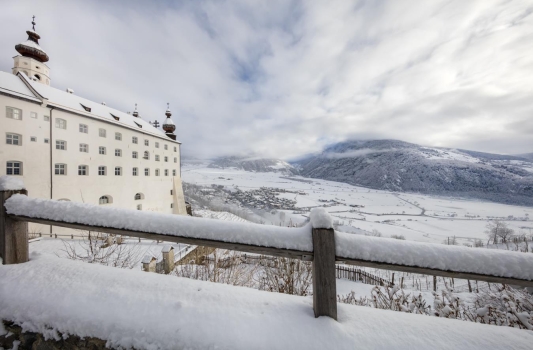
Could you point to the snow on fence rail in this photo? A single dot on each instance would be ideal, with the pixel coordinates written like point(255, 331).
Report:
point(316, 241)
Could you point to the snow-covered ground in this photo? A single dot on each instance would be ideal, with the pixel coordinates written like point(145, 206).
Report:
point(417, 217)
point(131, 308)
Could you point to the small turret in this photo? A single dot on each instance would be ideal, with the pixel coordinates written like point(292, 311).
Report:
point(135, 113)
point(32, 58)
point(169, 125)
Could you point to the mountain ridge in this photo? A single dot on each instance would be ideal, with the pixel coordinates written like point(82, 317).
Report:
point(401, 166)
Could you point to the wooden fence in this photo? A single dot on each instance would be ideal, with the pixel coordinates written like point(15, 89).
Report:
point(354, 274)
point(14, 242)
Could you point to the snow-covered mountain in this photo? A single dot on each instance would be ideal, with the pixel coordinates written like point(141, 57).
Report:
point(401, 166)
point(262, 165)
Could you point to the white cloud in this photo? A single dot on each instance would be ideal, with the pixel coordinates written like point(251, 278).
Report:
point(285, 78)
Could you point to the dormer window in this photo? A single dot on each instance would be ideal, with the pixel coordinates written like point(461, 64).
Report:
point(115, 117)
point(87, 109)
point(139, 125)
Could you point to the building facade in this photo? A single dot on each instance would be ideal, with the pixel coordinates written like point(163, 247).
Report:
point(66, 147)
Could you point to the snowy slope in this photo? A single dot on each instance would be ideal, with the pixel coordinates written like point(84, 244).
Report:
point(262, 165)
point(401, 166)
point(143, 310)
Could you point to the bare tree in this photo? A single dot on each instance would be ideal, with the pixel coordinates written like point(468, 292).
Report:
point(289, 276)
point(97, 248)
point(498, 229)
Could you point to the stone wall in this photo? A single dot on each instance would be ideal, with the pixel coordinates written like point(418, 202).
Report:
point(36, 341)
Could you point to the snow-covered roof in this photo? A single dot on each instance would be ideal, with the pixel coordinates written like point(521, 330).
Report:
point(168, 121)
point(147, 259)
point(74, 103)
point(12, 85)
point(167, 248)
point(33, 45)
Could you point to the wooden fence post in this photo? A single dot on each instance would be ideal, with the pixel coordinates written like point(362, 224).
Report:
point(324, 282)
point(14, 247)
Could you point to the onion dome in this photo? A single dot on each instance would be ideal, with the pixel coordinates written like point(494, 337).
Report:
point(30, 48)
point(135, 113)
point(169, 125)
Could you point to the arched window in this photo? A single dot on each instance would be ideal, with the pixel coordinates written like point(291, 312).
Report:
point(146, 155)
point(105, 200)
point(139, 196)
point(37, 76)
point(63, 200)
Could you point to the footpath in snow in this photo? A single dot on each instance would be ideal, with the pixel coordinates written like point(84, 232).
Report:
point(132, 308)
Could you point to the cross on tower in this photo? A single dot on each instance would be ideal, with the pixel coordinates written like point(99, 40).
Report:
point(33, 22)
point(156, 124)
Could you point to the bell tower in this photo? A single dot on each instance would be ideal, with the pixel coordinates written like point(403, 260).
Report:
point(32, 58)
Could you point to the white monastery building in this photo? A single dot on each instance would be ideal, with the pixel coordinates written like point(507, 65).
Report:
point(69, 148)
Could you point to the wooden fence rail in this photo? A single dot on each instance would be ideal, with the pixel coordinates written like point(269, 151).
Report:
point(14, 244)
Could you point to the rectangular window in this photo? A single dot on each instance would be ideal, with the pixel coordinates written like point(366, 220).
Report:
point(102, 171)
point(118, 152)
point(84, 128)
point(84, 147)
point(166, 172)
point(171, 192)
point(139, 207)
point(14, 113)
point(157, 145)
point(174, 172)
point(101, 150)
point(118, 136)
point(156, 172)
point(118, 171)
point(157, 157)
point(134, 172)
point(46, 141)
point(175, 149)
point(61, 123)
point(33, 139)
point(46, 118)
point(166, 159)
point(146, 171)
point(13, 168)
point(62, 145)
point(134, 139)
point(175, 159)
point(83, 170)
point(146, 143)
point(33, 115)
point(134, 155)
point(101, 132)
point(14, 139)
point(61, 169)
point(166, 147)
point(171, 205)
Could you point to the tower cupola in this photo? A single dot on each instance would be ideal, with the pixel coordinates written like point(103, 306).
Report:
point(169, 125)
point(32, 58)
point(135, 113)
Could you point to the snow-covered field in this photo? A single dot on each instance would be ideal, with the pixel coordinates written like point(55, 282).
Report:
point(417, 217)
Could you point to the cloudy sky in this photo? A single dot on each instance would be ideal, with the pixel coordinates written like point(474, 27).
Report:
point(285, 78)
